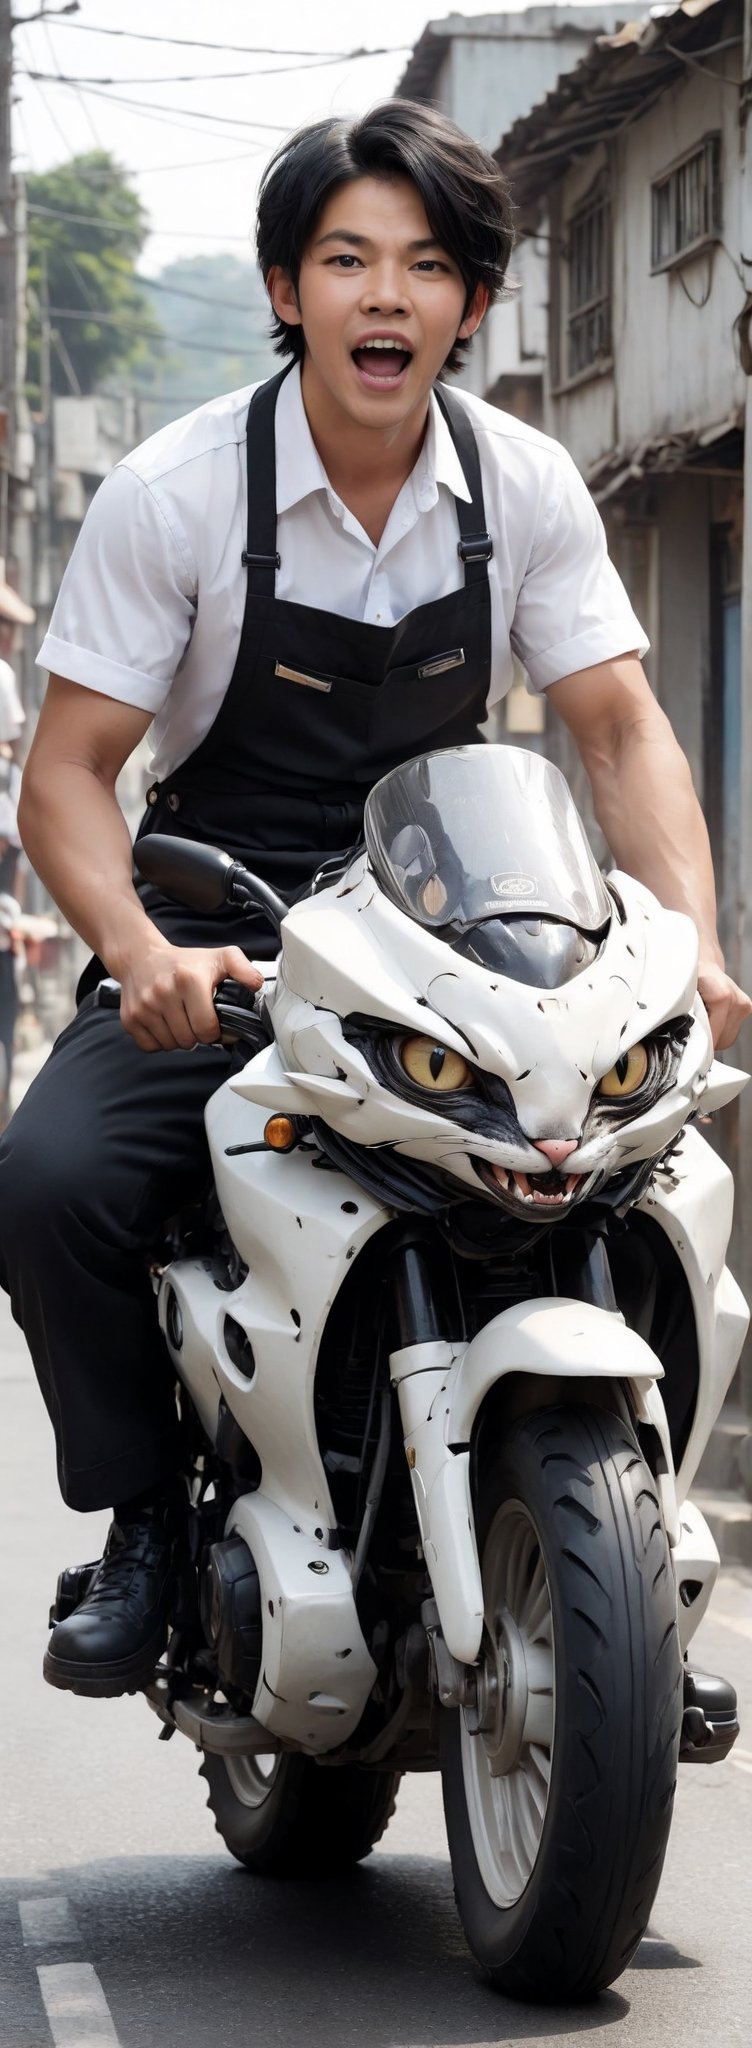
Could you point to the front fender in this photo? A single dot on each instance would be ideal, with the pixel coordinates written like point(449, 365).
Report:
point(441, 1390)
point(552, 1337)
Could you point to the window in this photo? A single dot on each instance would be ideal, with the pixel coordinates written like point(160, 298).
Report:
point(589, 269)
point(687, 204)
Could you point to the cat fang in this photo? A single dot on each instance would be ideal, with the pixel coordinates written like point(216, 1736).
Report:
point(523, 1187)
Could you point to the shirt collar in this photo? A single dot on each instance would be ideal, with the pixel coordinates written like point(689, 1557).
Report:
point(300, 470)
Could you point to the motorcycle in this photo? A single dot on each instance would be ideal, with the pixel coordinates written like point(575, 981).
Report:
point(450, 1332)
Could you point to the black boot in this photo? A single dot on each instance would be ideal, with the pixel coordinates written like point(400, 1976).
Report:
point(112, 1640)
point(709, 1724)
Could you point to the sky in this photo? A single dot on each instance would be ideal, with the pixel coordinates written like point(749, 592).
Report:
point(195, 145)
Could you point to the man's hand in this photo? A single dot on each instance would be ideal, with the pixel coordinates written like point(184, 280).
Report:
point(167, 1000)
point(727, 1006)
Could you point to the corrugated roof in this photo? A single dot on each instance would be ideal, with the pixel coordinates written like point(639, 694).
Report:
point(719, 447)
point(614, 84)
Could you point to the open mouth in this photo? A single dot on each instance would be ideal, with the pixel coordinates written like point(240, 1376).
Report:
point(533, 1190)
point(381, 364)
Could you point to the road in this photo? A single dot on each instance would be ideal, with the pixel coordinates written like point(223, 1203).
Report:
point(141, 1931)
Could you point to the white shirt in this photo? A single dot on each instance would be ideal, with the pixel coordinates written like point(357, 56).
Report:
point(151, 605)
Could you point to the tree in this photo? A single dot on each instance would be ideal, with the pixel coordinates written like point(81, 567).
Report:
point(216, 319)
point(87, 228)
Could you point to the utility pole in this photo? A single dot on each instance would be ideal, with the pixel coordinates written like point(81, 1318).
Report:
point(16, 439)
point(45, 461)
point(7, 278)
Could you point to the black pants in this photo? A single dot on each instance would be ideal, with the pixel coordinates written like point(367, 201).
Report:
point(106, 1144)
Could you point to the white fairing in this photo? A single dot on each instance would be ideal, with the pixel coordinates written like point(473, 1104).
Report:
point(288, 1224)
point(351, 953)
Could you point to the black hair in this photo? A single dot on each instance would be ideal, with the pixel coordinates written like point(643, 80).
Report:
point(464, 193)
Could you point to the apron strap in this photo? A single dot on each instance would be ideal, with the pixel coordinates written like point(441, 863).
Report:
point(475, 546)
point(260, 555)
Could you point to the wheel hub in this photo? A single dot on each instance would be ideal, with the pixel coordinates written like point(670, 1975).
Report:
point(498, 1712)
point(508, 1709)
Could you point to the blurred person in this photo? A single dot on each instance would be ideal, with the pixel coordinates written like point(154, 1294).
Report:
point(302, 584)
point(13, 612)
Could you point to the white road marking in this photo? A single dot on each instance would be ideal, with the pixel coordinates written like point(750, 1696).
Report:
point(44, 1922)
point(76, 2006)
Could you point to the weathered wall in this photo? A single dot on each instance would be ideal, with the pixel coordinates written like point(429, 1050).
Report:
point(485, 82)
point(683, 509)
point(673, 361)
point(495, 79)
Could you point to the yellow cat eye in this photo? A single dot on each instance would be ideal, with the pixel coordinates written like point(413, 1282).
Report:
point(434, 1066)
point(627, 1076)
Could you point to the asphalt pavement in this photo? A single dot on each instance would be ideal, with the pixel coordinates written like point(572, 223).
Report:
point(123, 1920)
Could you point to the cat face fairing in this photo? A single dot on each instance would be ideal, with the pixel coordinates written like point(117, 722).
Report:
point(472, 997)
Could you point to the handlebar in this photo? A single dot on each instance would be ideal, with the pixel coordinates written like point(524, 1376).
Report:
point(235, 1005)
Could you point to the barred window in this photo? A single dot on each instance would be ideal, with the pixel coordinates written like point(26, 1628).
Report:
point(686, 203)
point(589, 269)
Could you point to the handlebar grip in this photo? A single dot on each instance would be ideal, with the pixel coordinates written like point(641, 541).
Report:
point(234, 1002)
point(236, 992)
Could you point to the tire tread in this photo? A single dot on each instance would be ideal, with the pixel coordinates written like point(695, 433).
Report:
point(589, 1897)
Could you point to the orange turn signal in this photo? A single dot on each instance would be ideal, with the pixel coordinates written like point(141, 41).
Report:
point(280, 1134)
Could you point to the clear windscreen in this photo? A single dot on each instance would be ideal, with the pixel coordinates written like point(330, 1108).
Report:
point(478, 832)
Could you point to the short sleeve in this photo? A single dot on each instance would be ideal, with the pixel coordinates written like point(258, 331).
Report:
point(127, 603)
point(572, 608)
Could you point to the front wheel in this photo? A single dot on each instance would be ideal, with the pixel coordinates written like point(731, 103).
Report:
point(558, 1782)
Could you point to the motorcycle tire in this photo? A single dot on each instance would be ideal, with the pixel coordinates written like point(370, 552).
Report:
point(287, 1816)
point(557, 1851)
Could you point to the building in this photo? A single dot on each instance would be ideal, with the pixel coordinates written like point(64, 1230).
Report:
point(486, 71)
point(630, 340)
point(635, 168)
point(632, 169)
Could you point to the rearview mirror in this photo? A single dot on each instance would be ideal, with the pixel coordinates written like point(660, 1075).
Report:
point(203, 877)
point(188, 872)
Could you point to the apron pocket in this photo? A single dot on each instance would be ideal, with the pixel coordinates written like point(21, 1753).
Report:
point(426, 704)
point(312, 679)
point(441, 662)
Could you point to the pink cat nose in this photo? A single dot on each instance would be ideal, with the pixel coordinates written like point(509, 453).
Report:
point(556, 1149)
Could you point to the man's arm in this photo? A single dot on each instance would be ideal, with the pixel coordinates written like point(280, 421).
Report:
point(77, 840)
point(647, 809)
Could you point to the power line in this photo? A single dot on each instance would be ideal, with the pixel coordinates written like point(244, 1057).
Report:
point(235, 49)
point(201, 77)
point(85, 175)
point(115, 227)
point(86, 111)
point(154, 106)
point(176, 291)
point(52, 116)
point(102, 319)
point(103, 177)
point(165, 121)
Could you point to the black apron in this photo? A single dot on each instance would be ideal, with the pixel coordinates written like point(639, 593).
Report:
point(319, 707)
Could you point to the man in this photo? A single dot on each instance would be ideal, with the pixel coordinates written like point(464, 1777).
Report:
point(303, 591)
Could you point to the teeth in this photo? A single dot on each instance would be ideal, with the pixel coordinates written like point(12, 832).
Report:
point(386, 344)
point(519, 1184)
